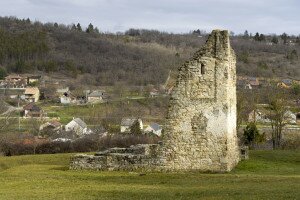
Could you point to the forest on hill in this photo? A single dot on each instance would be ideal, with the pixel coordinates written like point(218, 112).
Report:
point(135, 57)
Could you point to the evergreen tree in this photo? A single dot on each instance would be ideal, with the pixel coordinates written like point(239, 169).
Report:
point(284, 37)
point(55, 25)
point(133, 32)
point(135, 128)
point(251, 134)
point(293, 55)
point(90, 28)
point(2, 73)
point(73, 28)
point(274, 39)
point(246, 34)
point(256, 37)
point(79, 27)
point(262, 37)
point(197, 32)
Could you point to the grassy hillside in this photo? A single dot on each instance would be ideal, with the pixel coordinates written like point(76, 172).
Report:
point(267, 175)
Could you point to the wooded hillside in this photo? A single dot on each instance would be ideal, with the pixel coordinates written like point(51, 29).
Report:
point(136, 57)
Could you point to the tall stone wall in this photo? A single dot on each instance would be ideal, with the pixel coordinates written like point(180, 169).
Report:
point(200, 133)
point(201, 125)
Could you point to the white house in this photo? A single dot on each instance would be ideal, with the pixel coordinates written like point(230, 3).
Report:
point(290, 117)
point(154, 128)
point(78, 126)
point(126, 124)
point(258, 116)
point(65, 99)
point(95, 96)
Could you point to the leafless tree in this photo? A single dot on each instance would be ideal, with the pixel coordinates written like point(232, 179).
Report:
point(278, 106)
point(7, 119)
point(6, 116)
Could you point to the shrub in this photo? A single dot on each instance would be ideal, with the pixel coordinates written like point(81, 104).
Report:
point(89, 143)
point(252, 135)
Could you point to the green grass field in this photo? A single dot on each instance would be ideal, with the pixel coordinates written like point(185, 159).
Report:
point(266, 175)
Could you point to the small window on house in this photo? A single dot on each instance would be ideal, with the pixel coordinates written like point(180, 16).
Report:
point(202, 69)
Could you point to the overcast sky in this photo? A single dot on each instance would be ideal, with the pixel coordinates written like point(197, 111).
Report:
point(264, 16)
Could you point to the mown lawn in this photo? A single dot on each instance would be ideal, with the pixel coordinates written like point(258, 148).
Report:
point(267, 175)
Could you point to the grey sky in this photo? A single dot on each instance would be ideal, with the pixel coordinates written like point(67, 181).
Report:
point(266, 16)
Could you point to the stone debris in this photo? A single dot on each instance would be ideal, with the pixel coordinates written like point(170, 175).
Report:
point(135, 157)
point(200, 132)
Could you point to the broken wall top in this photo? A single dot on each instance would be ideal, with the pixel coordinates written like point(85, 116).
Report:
point(217, 46)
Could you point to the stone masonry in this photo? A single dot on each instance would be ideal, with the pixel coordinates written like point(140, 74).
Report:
point(201, 123)
point(200, 132)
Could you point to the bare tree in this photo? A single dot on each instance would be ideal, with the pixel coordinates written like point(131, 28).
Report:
point(240, 108)
point(278, 107)
point(246, 103)
point(36, 123)
point(7, 119)
point(6, 116)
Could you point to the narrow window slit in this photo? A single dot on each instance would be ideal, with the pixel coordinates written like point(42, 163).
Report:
point(202, 69)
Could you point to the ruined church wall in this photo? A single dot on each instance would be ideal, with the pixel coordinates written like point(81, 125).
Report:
point(201, 125)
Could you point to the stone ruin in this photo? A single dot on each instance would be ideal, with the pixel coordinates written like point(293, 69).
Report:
point(200, 131)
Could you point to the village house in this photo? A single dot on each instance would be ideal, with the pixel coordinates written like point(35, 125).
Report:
point(32, 94)
point(258, 116)
point(127, 123)
point(285, 83)
point(154, 93)
point(78, 126)
point(52, 126)
point(154, 128)
point(62, 140)
point(67, 98)
point(290, 117)
point(32, 110)
point(262, 117)
point(95, 96)
point(14, 78)
point(254, 82)
point(33, 79)
point(14, 81)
